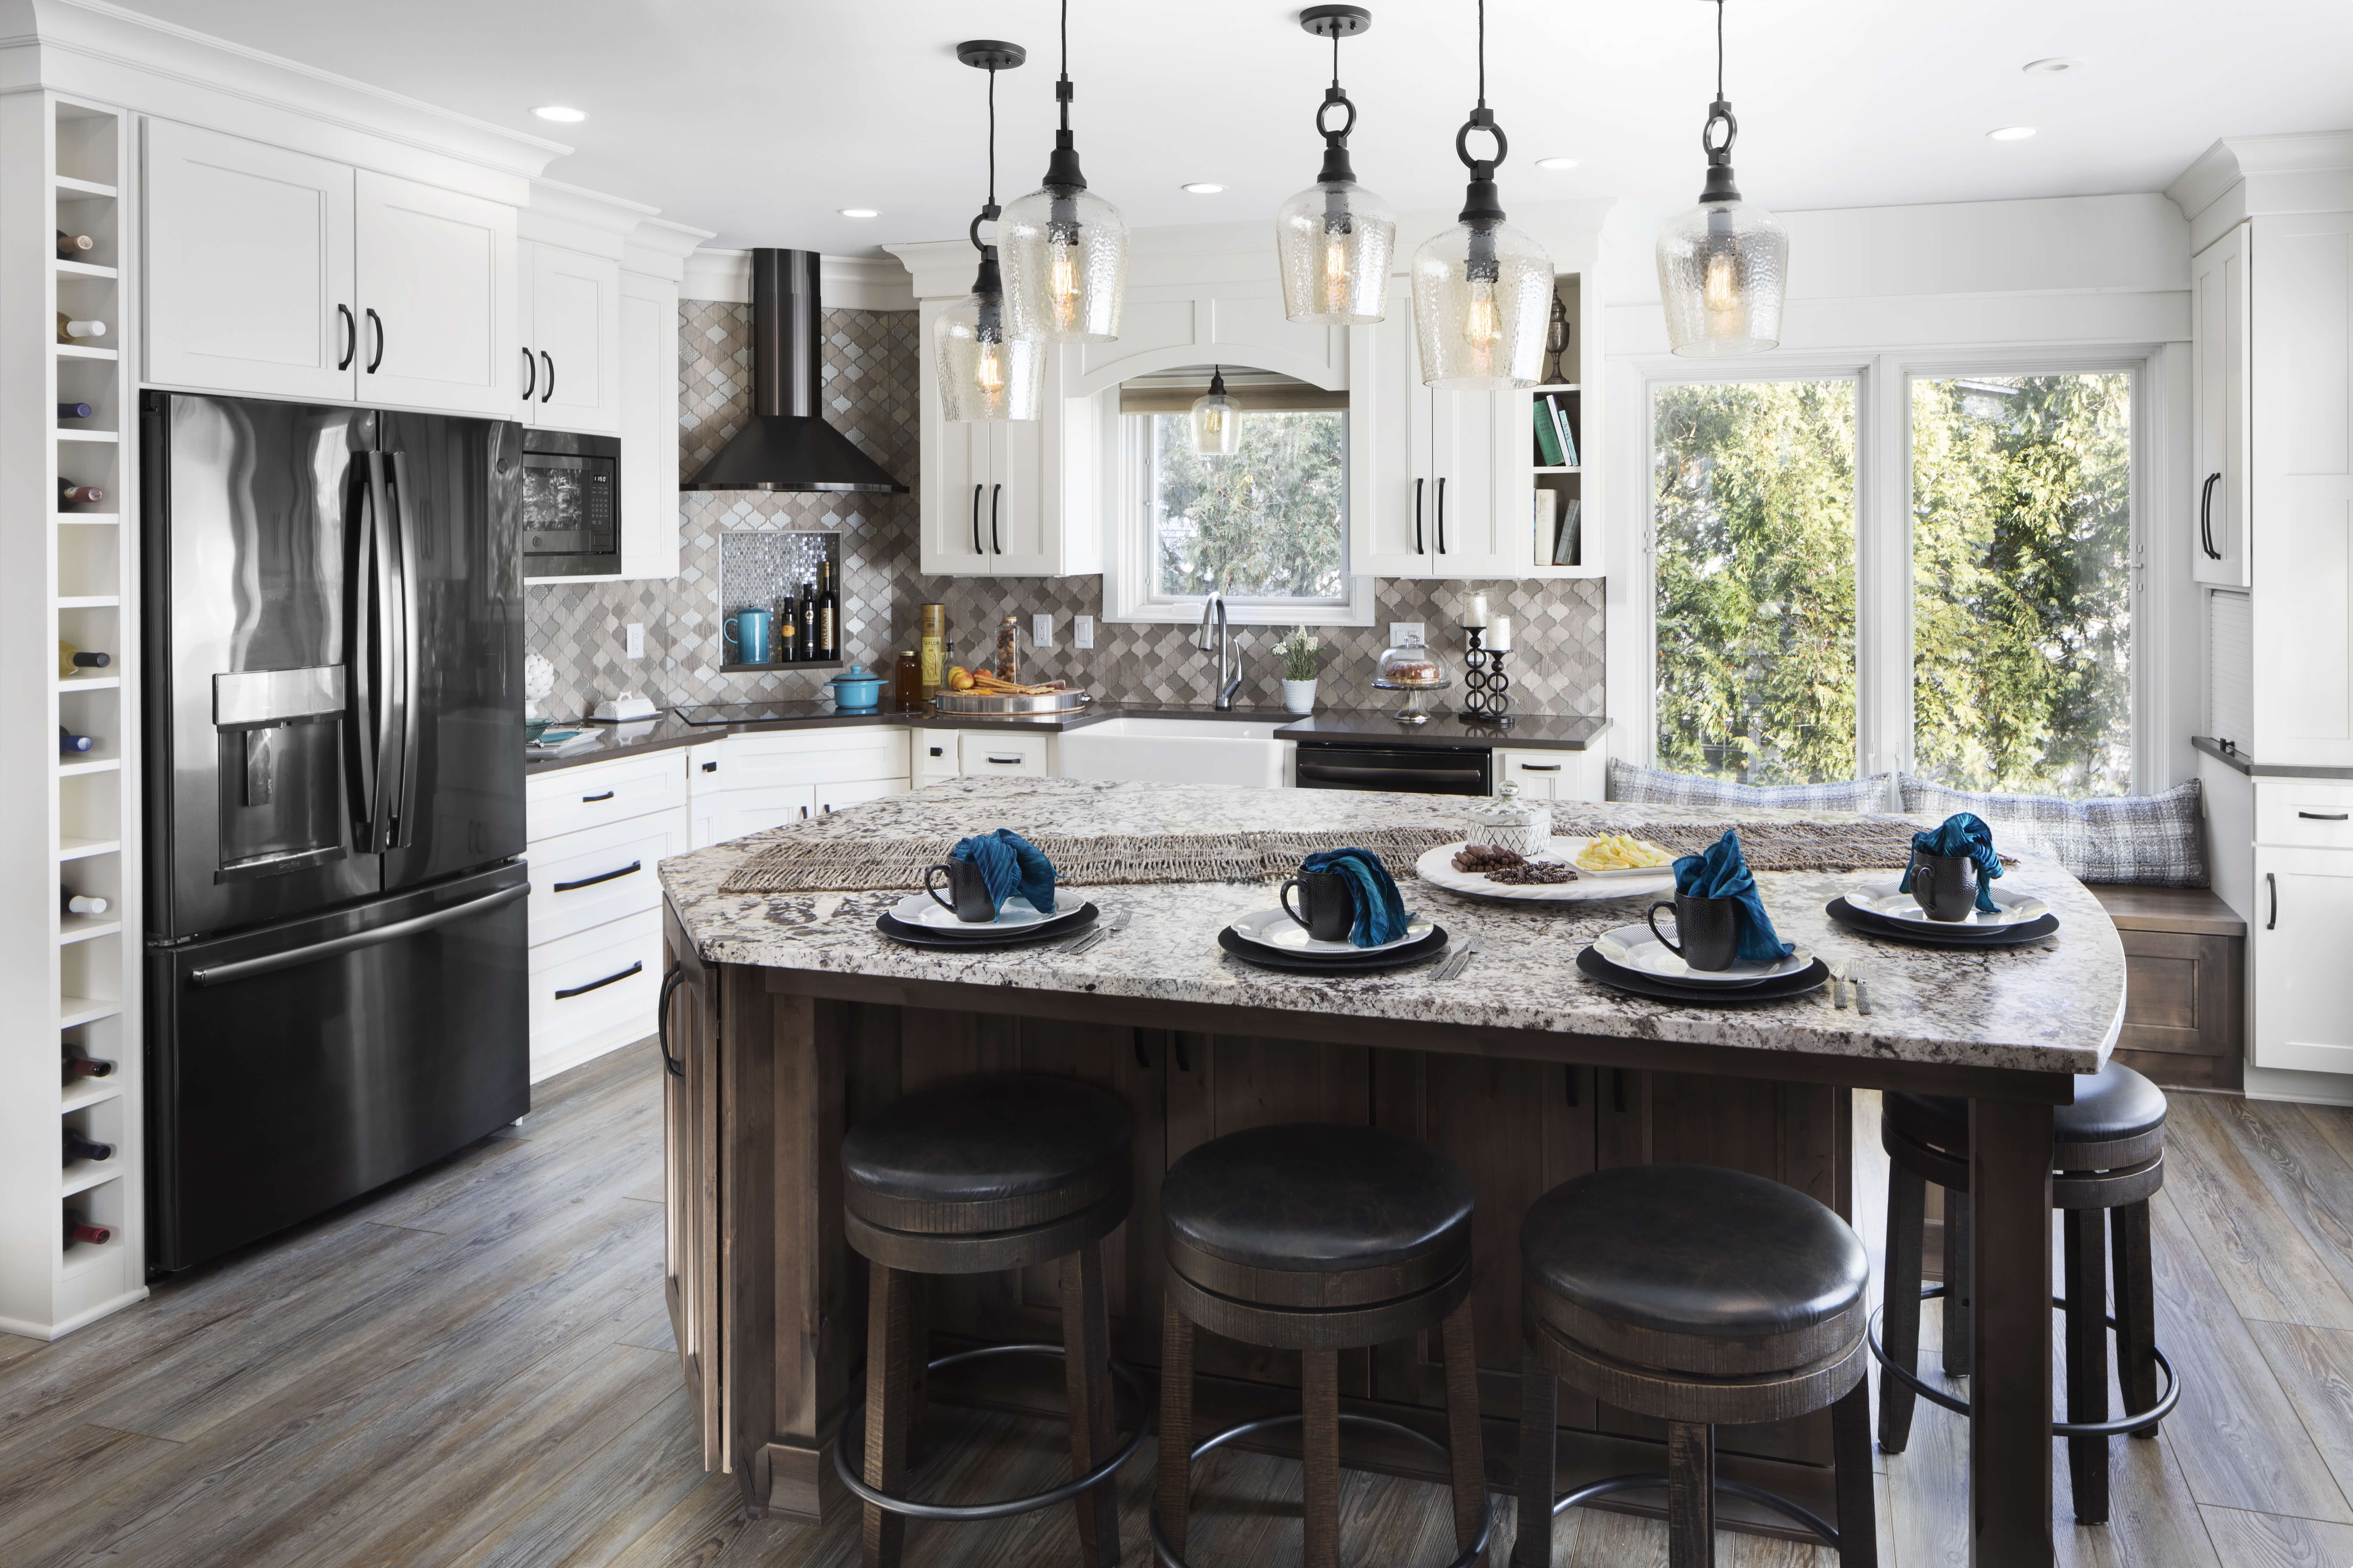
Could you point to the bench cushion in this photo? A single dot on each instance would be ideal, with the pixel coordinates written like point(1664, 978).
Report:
point(1652, 786)
point(2137, 839)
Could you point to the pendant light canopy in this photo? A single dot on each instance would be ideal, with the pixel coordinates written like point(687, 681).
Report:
point(1333, 241)
point(988, 371)
point(1482, 289)
point(1217, 422)
point(1724, 265)
point(1065, 247)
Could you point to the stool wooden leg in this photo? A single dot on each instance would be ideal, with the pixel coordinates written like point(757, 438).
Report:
point(888, 1351)
point(1960, 1265)
point(1857, 1499)
point(2136, 1297)
point(1466, 1447)
point(1907, 1221)
point(1691, 1495)
point(1539, 1440)
point(1319, 1393)
point(1176, 1424)
point(2086, 1242)
point(1086, 1360)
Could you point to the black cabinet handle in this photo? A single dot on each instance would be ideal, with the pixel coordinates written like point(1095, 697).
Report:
point(1442, 514)
point(939, 751)
point(995, 494)
point(350, 336)
point(550, 364)
point(2206, 518)
point(599, 877)
point(637, 968)
point(2272, 882)
point(592, 799)
point(977, 550)
point(2323, 816)
point(671, 983)
point(711, 768)
point(531, 369)
point(1539, 767)
point(1417, 517)
point(377, 323)
point(1007, 761)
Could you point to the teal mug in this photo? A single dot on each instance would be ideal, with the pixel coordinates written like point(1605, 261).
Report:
point(746, 633)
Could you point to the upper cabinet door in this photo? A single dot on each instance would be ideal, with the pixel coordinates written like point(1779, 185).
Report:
point(437, 289)
point(1389, 489)
point(2220, 350)
point(248, 267)
point(1441, 513)
point(648, 355)
point(572, 330)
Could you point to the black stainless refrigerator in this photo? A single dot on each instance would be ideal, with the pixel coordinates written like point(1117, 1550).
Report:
point(336, 948)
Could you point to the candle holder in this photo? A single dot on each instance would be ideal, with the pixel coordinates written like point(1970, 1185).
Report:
point(1486, 690)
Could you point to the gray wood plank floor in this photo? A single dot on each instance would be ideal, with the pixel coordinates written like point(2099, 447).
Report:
point(473, 1368)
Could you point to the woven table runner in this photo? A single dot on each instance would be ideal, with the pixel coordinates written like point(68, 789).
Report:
point(860, 865)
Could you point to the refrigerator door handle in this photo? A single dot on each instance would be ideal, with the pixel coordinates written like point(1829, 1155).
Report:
point(245, 968)
point(404, 528)
point(379, 632)
point(364, 678)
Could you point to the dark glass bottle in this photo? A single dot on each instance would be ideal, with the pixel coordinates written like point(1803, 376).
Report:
point(79, 1230)
point(78, 1147)
point(828, 613)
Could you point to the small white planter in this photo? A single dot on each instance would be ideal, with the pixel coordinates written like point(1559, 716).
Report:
point(1299, 697)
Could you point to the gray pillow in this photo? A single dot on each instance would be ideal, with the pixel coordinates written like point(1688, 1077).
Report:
point(1651, 787)
point(2149, 839)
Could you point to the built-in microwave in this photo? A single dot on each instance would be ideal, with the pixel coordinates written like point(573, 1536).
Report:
point(571, 504)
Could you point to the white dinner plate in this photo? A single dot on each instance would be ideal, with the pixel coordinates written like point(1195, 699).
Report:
point(1569, 848)
point(1634, 948)
point(1436, 867)
point(1888, 903)
point(922, 910)
point(1277, 931)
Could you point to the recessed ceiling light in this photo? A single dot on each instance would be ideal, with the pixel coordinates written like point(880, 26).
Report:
point(2057, 65)
point(2011, 133)
point(561, 114)
point(862, 212)
point(1556, 162)
point(1203, 188)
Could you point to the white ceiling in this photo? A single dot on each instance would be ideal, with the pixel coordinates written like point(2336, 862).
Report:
point(760, 118)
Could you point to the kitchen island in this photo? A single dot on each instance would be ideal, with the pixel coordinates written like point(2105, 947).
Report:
point(789, 1019)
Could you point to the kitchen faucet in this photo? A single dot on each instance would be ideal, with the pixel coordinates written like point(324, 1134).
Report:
point(1220, 642)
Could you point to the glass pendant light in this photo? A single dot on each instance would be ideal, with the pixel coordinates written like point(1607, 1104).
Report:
point(988, 371)
point(1217, 422)
point(1065, 246)
point(1482, 289)
point(1724, 266)
point(1333, 241)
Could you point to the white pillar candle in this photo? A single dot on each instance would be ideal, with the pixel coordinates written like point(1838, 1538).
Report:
point(1499, 635)
point(1474, 610)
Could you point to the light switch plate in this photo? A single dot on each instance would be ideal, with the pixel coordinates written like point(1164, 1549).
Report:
point(636, 633)
point(1041, 630)
point(1083, 631)
point(1404, 632)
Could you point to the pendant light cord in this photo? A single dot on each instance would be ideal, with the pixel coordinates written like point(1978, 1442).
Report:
point(992, 136)
point(1719, 47)
point(1482, 47)
point(1063, 88)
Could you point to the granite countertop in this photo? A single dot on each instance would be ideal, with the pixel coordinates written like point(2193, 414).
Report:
point(2050, 1007)
point(1529, 730)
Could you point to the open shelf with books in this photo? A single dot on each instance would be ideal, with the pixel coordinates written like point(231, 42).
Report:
point(1563, 546)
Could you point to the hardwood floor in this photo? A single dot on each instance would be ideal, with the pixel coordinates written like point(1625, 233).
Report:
point(474, 1368)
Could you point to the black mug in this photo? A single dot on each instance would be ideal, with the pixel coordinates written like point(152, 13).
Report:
point(1710, 930)
point(1945, 885)
point(1329, 900)
point(966, 887)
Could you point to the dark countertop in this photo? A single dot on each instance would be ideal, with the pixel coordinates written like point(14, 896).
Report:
point(1536, 732)
point(2246, 764)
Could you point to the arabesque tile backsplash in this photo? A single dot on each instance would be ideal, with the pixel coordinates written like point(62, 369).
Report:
point(871, 387)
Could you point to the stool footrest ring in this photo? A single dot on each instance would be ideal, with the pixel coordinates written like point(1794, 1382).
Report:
point(853, 1420)
point(1168, 1554)
point(2124, 1425)
point(1658, 1480)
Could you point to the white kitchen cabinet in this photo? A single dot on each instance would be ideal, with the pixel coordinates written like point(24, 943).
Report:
point(996, 500)
point(437, 292)
point(248, 267)
point(1450, 474)
point(649, 363)
point(935, 756)
point(2302, 992)
point(2219, 348)
point(1552, 775)
point(600, 874)
point(593, 992)
point(982, 752)
point(566, 800)
point(748, 783)
point(570, 366)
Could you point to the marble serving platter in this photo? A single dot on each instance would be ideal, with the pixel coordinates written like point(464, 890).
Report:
point(1436, 867)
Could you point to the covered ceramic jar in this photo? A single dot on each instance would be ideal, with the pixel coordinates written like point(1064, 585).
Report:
point(1508, 822)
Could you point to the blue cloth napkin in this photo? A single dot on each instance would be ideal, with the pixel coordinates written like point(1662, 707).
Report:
point(1960, 834)
point(1011, 866)
point(1381, 911)
point(1722, 873)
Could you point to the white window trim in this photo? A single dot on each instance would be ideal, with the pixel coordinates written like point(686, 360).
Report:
point(1128, 598)
point(1884, 535)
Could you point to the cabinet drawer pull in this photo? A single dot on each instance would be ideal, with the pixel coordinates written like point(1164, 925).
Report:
point(599, 877)
point(377, 322)
point(530, 369)
point(2271, 880)
point(637, 968)
point(2323, 816)
point(592, 799)
point(1418, 550)
point(976, 520)
point(1005, 762)
point(350, 336)
point(995, 494)
point(711, 768)
point(1538, 767)
point(671, 983)
point(1442, 514)
point(939, 751)
point(550, 389)
point(2206, 518)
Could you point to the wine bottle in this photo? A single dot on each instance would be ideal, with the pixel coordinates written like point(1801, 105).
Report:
point(808, 644)
point(72, 494)
point(828, 614)
point(71, 245)
point(73, 410)
point(82, 903)
point(71, 330)
point(72, 661)
point(788, 628)
point(79, 1230)
point(89, 1067)
point(70, 742)
point(80, 1148)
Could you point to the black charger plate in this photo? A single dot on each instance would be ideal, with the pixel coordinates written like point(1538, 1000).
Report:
point(1593, 967)
point(1426, 947)
point(1870, 925)
point(986, 939)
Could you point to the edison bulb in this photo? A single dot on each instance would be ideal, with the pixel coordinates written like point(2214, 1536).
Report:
point(1062, 283)
point(989, 373)
point(1335, 274)
point(1482, 325)
point(1721, 292)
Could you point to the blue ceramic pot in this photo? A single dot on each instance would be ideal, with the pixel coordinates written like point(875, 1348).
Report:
point(856, 691)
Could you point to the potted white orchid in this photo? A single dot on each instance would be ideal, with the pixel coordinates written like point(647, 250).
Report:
point(1301, 653)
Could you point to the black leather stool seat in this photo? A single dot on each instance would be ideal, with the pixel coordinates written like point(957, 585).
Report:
point(2113, 1106)
point(983, 1154)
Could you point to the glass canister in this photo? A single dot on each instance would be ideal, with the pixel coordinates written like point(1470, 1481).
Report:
point(1008, 649)
point(907, 682)
point(1510, 822)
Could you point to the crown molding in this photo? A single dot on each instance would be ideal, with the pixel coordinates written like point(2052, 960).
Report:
point(661, 248)
point(2246, 177)
point(844, 282)
point(580, 219)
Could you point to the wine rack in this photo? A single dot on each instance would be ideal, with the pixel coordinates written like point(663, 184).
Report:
point(70, 821)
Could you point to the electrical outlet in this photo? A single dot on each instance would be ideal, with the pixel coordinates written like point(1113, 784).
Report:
point(1403, 633)
point(636, 633)
point(1083, 631)
point(1041, 630)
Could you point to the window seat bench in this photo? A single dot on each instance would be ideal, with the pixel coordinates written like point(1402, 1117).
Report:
point(2185, 978)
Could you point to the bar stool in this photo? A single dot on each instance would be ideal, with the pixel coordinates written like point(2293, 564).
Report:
point(1702, 1297)
point(1318, 1238)
point(2109, 1152)
point(970, 1177)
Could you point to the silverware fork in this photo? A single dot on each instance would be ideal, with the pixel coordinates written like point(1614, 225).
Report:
point(1838, 982)
point(1090, 937)
point(1452, 967)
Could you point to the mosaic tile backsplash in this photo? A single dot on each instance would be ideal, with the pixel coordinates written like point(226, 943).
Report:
point(871, 387)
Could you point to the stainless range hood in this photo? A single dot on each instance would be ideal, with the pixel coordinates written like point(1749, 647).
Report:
point(787, 446)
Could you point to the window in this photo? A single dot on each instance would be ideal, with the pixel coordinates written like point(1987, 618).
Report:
point(1267, 527)
point(1980, 635)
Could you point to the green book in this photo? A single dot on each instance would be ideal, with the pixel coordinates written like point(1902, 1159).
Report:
point(1565, 434)
point(1547, 434)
